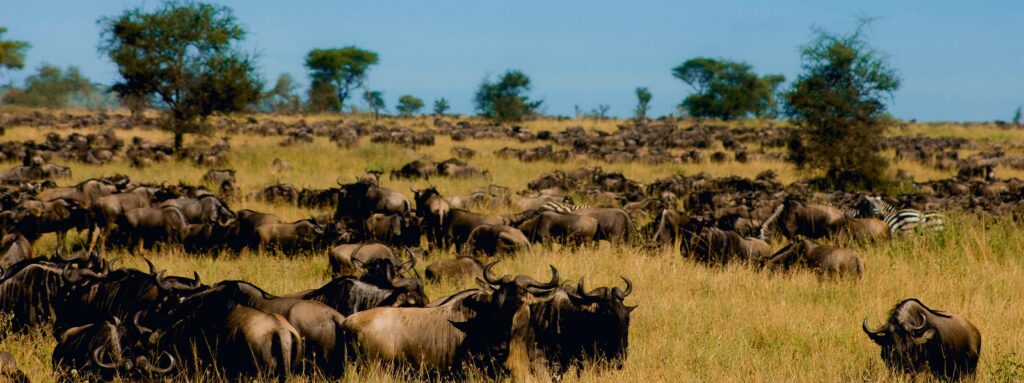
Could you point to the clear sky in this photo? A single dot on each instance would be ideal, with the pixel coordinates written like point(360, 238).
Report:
point(959, 60)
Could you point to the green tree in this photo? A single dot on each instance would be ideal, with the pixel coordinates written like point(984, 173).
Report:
point(1017, 116)
point(643, 103)
point(282, 98)
point(374, 101)
point(184, 55)
point(12, 53)
point(50, 87)
point(838, 105)
point(769, 88)
point(725, 89)
point(343, 69)
point(506, 100)
point(440, 106)
point(409, 105)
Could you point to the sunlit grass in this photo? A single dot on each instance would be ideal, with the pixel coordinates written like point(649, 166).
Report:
point(693, 323)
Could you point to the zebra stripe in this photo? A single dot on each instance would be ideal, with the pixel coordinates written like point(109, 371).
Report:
point(905, 220)
point(560, 207)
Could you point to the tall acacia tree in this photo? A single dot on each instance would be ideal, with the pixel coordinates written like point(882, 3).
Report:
point(12, 53)
point(725, 89)
point(838, 104)
point(643, 103)
point(339, 70)
point(182, 54)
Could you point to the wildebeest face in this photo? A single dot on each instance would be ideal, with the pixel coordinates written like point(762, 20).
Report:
point(904, 337)
point(610, 318)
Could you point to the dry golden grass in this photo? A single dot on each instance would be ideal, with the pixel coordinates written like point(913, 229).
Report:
point(693, 323)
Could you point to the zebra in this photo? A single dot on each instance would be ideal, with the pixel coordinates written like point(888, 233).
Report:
point(560, 207)
point(901, 220)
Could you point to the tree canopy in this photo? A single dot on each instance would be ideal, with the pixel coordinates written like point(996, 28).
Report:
point(182, 53)
point(506, 100)
point(50, 87)
point(340, 70)
point(282, 98)
point(12, 53)
point(440, 106)
point(839, 101)
point(725, 89)
point(375, 101)
point(409, 105)
point(643, 103)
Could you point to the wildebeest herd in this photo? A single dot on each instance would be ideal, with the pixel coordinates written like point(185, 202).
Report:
point(111, 321)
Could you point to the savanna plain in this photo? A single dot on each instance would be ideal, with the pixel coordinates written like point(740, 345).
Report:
point(692, 323)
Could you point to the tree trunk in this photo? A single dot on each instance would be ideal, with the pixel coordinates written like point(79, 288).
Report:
point(179, 140)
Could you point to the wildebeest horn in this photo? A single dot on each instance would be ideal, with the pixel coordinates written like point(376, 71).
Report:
point(338, 181)
point(623, 294)
point(412, 257)
point(150, 368)
point(77, 277)
point(489, 276)
point(553, 283)
point(152, 269)
point(142, 329)
point(924, 322)
point(196, 283)
point(112, 262)
point(876, 336)
point(160, 281)
point(581, 289)
point(96, 356)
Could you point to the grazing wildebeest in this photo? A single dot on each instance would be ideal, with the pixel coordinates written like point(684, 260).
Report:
point(825, 260)
point(349, 295)
point(302, 234)
point(916, 339)
point(719, 247)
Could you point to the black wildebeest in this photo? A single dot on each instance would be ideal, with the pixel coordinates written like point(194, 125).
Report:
point(916, 339)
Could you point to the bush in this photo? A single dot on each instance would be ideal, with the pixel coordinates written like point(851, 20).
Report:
point(726, 90)
point(506, 100)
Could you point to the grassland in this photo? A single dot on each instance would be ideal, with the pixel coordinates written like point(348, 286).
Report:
point(693, 323)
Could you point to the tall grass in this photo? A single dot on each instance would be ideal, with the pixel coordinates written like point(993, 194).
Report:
point(693, 323)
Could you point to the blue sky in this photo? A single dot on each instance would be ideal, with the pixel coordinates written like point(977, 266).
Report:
point(959, 60)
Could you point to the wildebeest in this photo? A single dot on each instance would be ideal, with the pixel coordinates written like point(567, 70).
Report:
point(219, 176)
point(462, 223)
point(578, 326)
point(826, 260)
point(358, 201)
point(349, 295)
point(34, 218)
point(719, 247)
point(916, 339)
point(793, 217)
point(302, 234)
point(433, 209)
point(106, 350)
point(14, 248)
point(494, 240)
point(9, 371)
point(211, 329)
point(147, 225)
point(347, 259)
point(318, 324)
point(613, 224)
point(549, 227)
point(459, 267)
point(471, 328)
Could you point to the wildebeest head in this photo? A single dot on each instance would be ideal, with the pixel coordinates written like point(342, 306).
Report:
point(610, 321)
point(510, 293)
point(904, 337)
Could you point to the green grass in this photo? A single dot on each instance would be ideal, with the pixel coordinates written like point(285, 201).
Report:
point(693, 323)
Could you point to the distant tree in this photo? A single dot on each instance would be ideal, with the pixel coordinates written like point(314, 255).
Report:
point(769, 91)
point(1017, 116)
point(725, 89)
point(408, 105)
point(440, 106)
point(343, 69)
point(643, 103)
point(374, 101)
point(282, 98)
point(322, 97)
point(12, 53)
point(50, 87)
point(600, 112)
point(506, 100)
point(184, 55)
point(838, 106)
